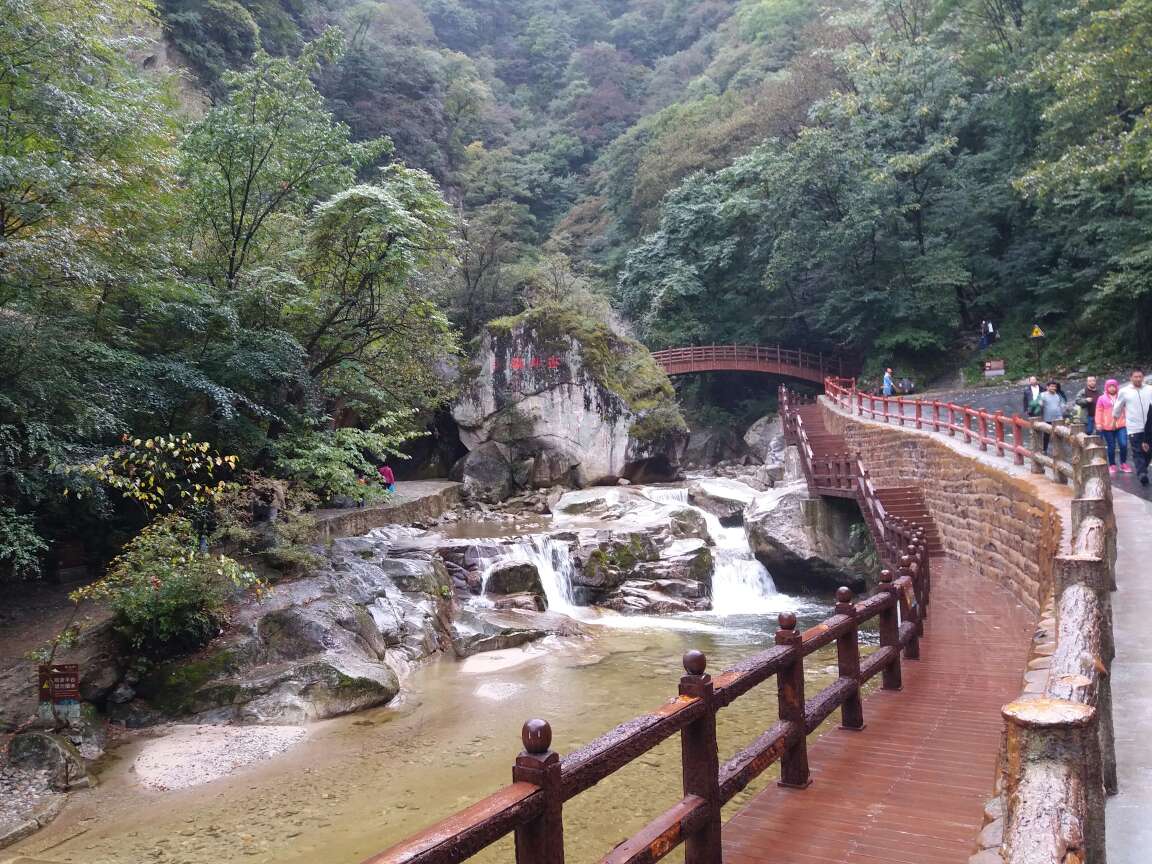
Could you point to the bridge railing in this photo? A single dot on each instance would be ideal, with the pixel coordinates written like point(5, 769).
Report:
point(1020, 438)
point(845, 474)
point(1059, 747)
point(700, 357)
point(531, 807)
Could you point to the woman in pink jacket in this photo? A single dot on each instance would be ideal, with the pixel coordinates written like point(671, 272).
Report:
point(1112, 430)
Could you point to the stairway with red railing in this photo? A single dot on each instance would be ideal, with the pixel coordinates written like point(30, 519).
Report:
point(830, 469)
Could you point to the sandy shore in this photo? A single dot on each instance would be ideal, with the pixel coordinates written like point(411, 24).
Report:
point(189, 755)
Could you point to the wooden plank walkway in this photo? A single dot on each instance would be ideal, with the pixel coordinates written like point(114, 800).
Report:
point(911, 787)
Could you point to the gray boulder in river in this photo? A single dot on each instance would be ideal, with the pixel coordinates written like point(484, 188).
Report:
point(807, 544)
point(561, 399)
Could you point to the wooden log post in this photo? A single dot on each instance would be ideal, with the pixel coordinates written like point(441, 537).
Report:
point(890, 633)
point(1054, 806)
point(908, 610)
point(1036, 445)
point(794, 772)
point(540, 841)
point(848, 662)
point(999, 421)
point(700, 762)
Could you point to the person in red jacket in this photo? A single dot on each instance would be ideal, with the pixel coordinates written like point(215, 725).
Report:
point(387, 477)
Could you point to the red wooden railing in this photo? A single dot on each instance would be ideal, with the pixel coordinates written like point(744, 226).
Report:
point(844, 475)
point(775, 359)
point(1020, 438)
point(531, 807)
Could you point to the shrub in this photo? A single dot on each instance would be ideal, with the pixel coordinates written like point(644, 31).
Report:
point(168, 598)
point(20, 546)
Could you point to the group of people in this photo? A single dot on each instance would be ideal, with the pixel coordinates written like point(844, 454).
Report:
point(1122, 416)
point(988, 334)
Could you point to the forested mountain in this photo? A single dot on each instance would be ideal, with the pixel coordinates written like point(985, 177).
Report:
point(286, 268)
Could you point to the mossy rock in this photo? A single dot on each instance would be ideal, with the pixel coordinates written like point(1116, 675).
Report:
point(180, 687)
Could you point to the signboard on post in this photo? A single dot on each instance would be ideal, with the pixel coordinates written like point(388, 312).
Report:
point(1037, 339)
point(993, 368)
point(60, 692)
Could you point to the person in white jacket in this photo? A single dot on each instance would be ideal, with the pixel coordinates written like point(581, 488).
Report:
point(1134, 405)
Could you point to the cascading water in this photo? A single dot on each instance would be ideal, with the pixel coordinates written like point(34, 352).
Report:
point(740, 584)
point(552, 560)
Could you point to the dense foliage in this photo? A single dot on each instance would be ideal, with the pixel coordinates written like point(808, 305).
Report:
point(295, 252)
point(174, 288)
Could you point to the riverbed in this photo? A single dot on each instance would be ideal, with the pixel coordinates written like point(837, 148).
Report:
point(357, 784)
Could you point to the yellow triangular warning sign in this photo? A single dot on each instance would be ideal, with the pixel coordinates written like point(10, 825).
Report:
point(1037, 333)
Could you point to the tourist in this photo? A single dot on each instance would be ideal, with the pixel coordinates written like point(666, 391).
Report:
point(1032, 397)
point(983, 335)
point(1112, 430)
point(1052, 404)
point(387, 477)
point(887, 388)
point(1132, 406)
point(1086, 402)
point(991, 333)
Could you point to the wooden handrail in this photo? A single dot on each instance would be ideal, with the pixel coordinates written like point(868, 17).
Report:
point(794, 361)
point(531, 807)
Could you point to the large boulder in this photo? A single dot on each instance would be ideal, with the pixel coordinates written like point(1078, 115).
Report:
point(724, 499)
point(486, 472)
point(339, 640)
point(800, 542)
point(514, 577)
point(478, 630)
point(53, 755)
point(585, 403)
point(710, 446)
point(765, 437)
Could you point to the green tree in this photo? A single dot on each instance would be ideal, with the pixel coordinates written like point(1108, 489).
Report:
point(267, 152)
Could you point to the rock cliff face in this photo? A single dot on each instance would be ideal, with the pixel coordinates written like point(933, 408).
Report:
point(559, 399)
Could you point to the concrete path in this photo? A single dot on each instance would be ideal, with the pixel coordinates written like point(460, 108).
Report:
point(1129, 814)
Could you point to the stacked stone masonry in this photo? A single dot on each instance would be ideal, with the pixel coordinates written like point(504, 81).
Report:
point(988, 520)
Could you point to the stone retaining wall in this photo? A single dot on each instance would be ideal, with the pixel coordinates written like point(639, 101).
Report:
point(995, 523)
point(418, 501)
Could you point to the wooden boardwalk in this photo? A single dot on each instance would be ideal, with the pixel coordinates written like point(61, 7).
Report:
point(910, 788)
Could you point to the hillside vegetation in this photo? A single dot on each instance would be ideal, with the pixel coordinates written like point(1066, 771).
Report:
point(286, 272)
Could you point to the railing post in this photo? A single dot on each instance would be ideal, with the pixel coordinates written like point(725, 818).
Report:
point(999, 433)
point(790, 696)
point(540, 841)
point(900, 408)
point(919, 413)
point(935, 415)
point(951, 420)
point(700, 762)
point(1036, 445)
point(967, 424)
point(908, 611)
point(982, 419)
point(848, 662)
point(890, 633)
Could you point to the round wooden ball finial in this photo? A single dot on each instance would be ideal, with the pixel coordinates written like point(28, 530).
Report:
point(787, 620)
point(537, 736)
point(695, 662)
point(843, 594)
point(905, 561)
point(885, 575)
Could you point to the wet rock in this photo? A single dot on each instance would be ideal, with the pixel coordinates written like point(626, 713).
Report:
point(799, 548)
point(486, 472)
point(55, 756)
point(724, 499)
point(514, 577)
point(527, 601)
point(765, 437)
point(479, 630)
point(712, 446)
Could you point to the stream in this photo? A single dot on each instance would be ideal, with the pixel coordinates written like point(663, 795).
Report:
point(359, 783)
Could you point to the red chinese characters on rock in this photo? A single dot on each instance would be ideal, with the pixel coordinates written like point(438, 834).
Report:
point(519, 364)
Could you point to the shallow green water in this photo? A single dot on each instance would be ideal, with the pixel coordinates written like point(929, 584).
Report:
point(361, 783)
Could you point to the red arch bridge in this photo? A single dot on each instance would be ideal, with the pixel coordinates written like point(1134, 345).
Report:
point(769, 359)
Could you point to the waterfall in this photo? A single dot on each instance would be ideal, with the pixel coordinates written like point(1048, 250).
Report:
point(552, 559)
point(740, 584)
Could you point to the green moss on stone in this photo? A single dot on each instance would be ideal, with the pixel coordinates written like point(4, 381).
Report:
point(618, 363)
point(179, 687)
